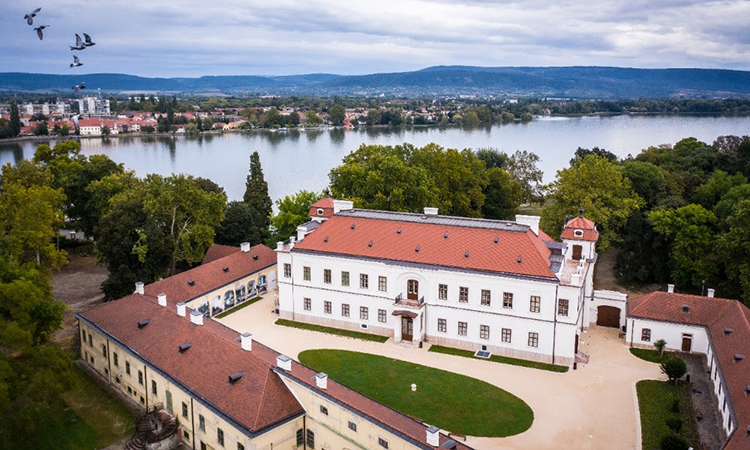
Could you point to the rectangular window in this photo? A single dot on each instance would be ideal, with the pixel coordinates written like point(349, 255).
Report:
point(91, 341)
point(646, 335)
point(310, 439)
point(562, 307)
point(153, 387)
point(533, 339)
point(505, 335)
point(507, 299)
point(127, 367)
point(83, 336)
point(364, 313)
point(140, 378)
point(345, 310)
point(104, 350)
point(220, 436)
point(364, 281)
point(306, 273)
point(300, 437)
point(287, 270)
point(462, 327)
point(484, 331)
point(463, 294)
point(353, 426)
point(345, 278)
point(307, 304)
point(323, 410)
point(382, 284)
point(327, 307)
point(184, 410)
point(535, 303)
point(115, 359)
point(442, 292)
point(382, 318)
point(442, 325)
point(201, 422)
point(327, 276)
point(382, 442)
point(486, 297)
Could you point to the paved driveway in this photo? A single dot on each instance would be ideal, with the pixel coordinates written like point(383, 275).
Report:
point(594, 407)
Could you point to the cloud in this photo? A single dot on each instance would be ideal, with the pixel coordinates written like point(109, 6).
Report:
point(193, 38)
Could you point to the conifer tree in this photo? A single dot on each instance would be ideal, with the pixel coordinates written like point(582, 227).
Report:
point(15, 119)
point(256, 196)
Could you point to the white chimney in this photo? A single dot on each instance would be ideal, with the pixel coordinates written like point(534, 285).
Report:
point(246, 340)
point(433, 436)
point(430, 211)
point(245, 247)
point(284, 362)
point(711, 293)
point(321, 380)
point(292, 240)
point(139, 287)
point(196, 317)
point(670, 288)
point(279, 246)
point(162, 298)
point(342, 205)
point(531, 221)
point(181, 309)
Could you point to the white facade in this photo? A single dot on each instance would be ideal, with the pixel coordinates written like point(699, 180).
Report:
point(93, 107)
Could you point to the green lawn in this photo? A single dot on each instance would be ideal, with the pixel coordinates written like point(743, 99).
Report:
point(331, 330)
point(660, 401)
point(450, 401)
point(649, 355)
point(237, 308)
point(500, 359)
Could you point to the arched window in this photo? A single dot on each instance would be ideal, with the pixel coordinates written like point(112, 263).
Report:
point(228, 299)
point(252, 291)
point(240, 294)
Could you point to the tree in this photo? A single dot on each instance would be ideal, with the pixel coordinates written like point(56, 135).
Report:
point(734, 246)
point(674, 368)
point(336, 115)
point(492, 157)
point(647, 181)
point(719, 183)
point(15, 119)
point(294, 210)
point(41, 129)
point(596, 185)
point(238, 226)
point(522, 165)
point(582, 152)
point(312, 119)
point(660, 344)
point(82, 209)
point(502, 195)
point(373, 117)
point(256, 196)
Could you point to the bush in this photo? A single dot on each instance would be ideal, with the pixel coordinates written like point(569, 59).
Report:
point(674, 368)
point(660, 344)
point(675, 423)
point(674, 442)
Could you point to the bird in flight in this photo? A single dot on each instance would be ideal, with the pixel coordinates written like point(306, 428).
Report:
point(39, 31)
point(79, 44)
point(75, 62)
point(87, 39)
point(30, 16)
point(79, 86)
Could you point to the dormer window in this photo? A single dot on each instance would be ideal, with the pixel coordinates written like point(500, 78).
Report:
point(578, 233)
point(320, 211)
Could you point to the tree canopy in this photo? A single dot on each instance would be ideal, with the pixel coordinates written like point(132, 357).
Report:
point(294, 210)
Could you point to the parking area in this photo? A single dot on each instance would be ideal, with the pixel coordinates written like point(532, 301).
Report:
point(594, 407)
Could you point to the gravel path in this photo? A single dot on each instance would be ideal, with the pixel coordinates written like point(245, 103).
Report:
point(709, 427)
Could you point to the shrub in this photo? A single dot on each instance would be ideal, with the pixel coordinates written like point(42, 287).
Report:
point(660, 344)
point(674, 368)
point(675, 423)
point(674, 442)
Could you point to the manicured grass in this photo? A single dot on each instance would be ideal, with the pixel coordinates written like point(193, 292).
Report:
point(331, 330)
point(649, 355)
point(237, 308)
point(500, 359)
point(657, 401)
point(450, 401)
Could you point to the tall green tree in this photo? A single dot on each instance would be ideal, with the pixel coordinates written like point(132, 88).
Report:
point(294, 210)
point(523, 166)
point(492, 157)
point(336, 115)
point(256, 196)
point(238, 226)
point(647, 180)
point(734, 247)
point(15, 119)
point(502, 195)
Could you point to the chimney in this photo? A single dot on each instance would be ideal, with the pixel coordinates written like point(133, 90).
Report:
point(246, 340)
point(711, 293)
point(429, 211)
point(162, 299)
point(433, 436)
point(321, 380)
point(279, 246)
point(181, 309)
point(284, 362)
point(292, 240)
point(139, 287)
point(531, 221)
point(670, 288)
point(342, 205)
point(196, 317)
point(245, 247)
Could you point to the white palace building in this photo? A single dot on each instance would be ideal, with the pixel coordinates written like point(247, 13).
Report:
point(500, 286)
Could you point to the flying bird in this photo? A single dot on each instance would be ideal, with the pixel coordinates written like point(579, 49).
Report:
point(88, 42)
point(39, 31)
point(75, 62)
point(75, 122)
point(30, 16)
point(79, 44)
point(79, 86)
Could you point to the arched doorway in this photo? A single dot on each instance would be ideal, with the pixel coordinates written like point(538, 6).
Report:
point(608, 316)
point(412, 290)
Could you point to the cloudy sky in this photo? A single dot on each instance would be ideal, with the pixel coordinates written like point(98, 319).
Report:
point(169, 38)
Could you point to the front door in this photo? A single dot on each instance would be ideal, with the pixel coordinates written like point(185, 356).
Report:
point(412, 289)
point(407, 328)
point(577, 250)
point(687, 342)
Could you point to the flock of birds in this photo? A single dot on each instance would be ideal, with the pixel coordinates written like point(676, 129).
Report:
point(81, 44)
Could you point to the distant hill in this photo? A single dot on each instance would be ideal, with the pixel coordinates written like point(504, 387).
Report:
point(555, 82)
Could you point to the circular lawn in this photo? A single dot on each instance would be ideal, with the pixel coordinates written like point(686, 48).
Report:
point(453, 402)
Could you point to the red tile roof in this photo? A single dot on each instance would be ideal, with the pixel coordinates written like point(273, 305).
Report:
point(716, 314)
point(590, 232)
point(326, 204)
point(212, 276)
point(337, 236)
point(218, 251)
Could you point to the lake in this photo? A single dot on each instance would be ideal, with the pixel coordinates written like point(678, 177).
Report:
point(295, 160)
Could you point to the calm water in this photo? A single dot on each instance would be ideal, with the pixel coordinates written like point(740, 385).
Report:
point(297, 160)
